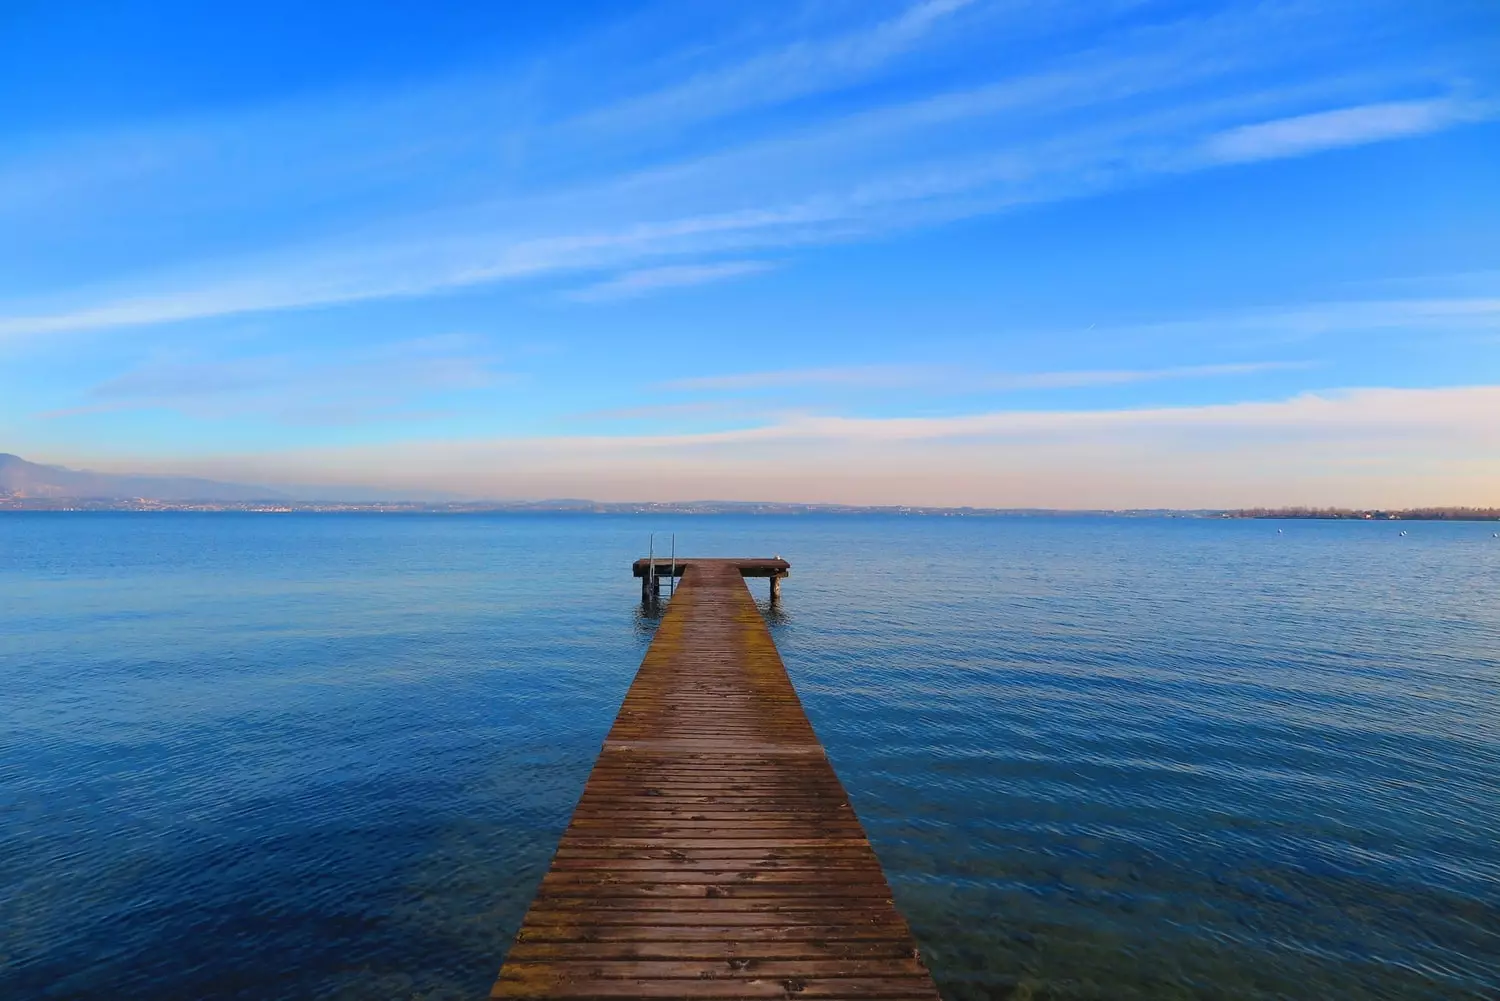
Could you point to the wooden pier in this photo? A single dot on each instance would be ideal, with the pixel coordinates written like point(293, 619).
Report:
point(714, 853)
point(653, 571)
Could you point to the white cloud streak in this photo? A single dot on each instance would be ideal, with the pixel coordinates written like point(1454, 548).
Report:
point(858, 376)
point(1357, 447)
point(396, 380)
point(644, 281)
point(961, 380)
point(1303, 134)
point(1466, 412)
point(1124, 377)
point(544, 200)
point(789, 72)
point(1467, 315)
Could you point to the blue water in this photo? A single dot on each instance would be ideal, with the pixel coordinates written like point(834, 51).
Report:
point(330, 756)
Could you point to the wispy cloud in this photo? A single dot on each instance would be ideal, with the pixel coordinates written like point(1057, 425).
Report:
point(1425, 316)
point(470, 190)
point(644, 281)
point(324, 276)
point(1122, 377)
point(1367, 446)
point(786, 72)
point(964, 380)
point(370, 383)
point(1465, 411)
point(713, 409)
point(1303, 134)
point(860, 376)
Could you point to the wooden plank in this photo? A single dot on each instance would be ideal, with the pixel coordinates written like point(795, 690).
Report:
point(738, 936)
point(714, 853)
point(558, 985)
point(871, 922)
point(751, 867)
point(662, 949)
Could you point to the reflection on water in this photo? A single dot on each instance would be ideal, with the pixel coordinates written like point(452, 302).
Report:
point(329, 757)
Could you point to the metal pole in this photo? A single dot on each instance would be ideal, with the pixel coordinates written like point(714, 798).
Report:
point(649, 579)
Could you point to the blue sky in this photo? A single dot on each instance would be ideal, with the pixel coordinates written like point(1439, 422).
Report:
point(994, 252)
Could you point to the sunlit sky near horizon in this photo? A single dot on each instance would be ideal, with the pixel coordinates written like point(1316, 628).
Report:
point(1108, 254)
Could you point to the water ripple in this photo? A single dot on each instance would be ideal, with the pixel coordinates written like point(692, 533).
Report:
point(330, 757)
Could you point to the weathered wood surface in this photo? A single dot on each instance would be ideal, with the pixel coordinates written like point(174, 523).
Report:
point(714, 853)
point(755, 567)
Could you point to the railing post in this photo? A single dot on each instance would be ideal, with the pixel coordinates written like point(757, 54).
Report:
point(650, 590)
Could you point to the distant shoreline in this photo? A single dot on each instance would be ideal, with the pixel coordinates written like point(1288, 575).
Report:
point(1353, 514)
point(31, 486)
point(690, 508)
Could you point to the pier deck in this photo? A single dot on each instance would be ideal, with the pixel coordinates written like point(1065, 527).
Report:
point(714, 853)
point(754, 567)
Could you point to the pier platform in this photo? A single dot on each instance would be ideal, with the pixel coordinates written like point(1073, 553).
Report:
point(753, 567)
point(714, 853)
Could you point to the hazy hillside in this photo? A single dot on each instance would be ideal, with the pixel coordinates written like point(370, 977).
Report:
point(19, 478)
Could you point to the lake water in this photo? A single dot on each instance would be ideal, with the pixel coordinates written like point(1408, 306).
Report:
point(329, 756)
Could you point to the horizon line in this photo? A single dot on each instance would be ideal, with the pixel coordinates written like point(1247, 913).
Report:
point(569, 505)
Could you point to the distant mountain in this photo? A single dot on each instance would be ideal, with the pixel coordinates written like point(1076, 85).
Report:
point(19, 478)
